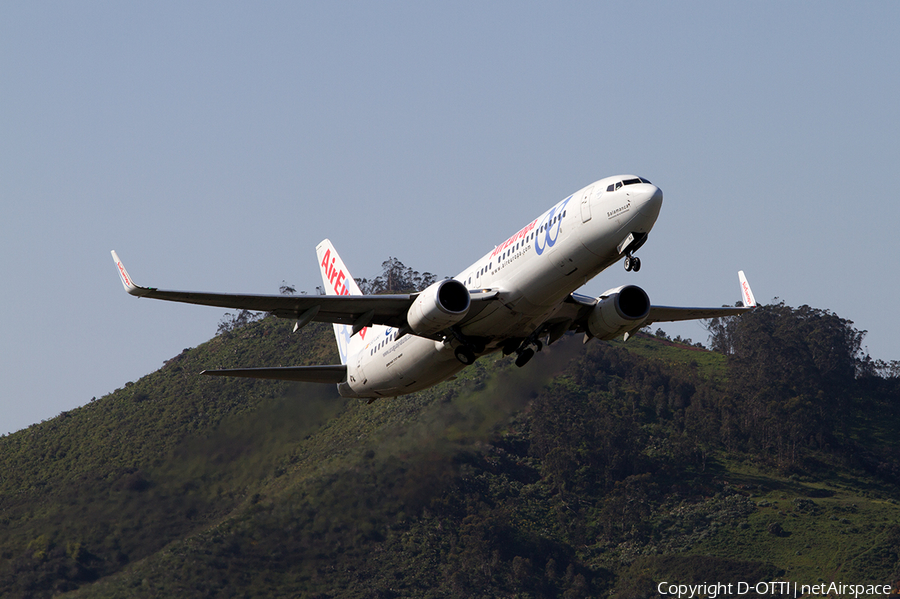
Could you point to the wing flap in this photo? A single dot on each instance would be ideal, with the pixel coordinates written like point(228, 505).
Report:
point(333, 373)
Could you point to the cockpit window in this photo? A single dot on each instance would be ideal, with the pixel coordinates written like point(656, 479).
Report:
point(628, 182)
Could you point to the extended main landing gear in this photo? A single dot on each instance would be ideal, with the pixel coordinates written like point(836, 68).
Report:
point(526, 350)
point(632, 263)
point(465, 355)
point(469, 347)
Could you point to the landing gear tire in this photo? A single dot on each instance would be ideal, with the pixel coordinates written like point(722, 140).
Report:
point(523, 358)
point(465, 355)
point(632, 263)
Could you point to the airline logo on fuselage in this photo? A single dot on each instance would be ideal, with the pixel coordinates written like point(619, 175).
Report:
point(550, 227)
point(526, 230)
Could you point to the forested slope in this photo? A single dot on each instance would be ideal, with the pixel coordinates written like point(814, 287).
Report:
point(596, 470)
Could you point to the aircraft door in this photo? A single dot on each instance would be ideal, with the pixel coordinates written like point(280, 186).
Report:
point(586, 204)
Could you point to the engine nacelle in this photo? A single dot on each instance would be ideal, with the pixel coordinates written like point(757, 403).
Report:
point(618, 311)
point(441, 305)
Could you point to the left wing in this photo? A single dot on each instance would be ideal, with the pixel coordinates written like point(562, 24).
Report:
point(357, 310)
point(388, 310)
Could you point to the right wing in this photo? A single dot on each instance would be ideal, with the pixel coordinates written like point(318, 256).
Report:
point(674, 314)
point(577, 309)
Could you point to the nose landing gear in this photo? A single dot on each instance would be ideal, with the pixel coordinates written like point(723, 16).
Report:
point(632, 263)
point(629, 246)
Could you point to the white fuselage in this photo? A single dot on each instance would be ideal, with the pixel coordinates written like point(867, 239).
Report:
point(533, 271)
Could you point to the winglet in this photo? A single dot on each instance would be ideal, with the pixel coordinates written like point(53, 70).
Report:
point(127, 281)
point(746, 293)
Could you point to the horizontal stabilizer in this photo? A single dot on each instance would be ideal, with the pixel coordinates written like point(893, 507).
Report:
point(336, 373)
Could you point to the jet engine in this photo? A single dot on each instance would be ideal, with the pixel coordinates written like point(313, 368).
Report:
point(618, 311)
point(441, 305)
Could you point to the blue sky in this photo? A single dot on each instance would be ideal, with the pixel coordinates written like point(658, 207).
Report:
point(214, 144)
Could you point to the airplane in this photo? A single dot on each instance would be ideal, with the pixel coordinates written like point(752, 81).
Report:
point(514, 299)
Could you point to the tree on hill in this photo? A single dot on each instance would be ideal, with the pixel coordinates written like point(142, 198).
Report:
point(230, 322)
point(396, 278)
point(721, 332)
point(792, 372)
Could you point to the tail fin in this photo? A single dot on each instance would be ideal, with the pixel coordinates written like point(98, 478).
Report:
point(338, 281)
point(746, 293)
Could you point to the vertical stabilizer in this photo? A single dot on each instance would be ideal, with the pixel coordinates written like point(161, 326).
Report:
point(337, 281)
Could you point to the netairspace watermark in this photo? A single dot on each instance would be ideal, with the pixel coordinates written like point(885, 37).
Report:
point(778, 588)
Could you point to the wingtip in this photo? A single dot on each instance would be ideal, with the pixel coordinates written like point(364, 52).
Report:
point(746, 293)
point(127, 282)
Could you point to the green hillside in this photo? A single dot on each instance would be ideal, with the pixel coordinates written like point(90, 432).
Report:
point(597, 470)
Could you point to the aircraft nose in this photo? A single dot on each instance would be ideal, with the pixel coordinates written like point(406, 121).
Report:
point(652, 202)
